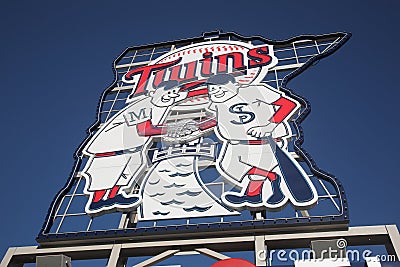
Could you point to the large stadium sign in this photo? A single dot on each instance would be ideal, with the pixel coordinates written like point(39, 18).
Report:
point(200, 134)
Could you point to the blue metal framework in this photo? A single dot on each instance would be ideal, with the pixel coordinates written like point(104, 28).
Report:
point(67, 221)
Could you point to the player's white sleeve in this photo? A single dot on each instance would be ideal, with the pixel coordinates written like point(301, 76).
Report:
point(262, 92)
point(110, 135)
point(138, 112)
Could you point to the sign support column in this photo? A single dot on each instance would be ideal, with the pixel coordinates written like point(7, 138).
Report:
point(260, 250)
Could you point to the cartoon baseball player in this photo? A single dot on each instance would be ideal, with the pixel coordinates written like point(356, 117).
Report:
point(250, 119)
point(117, 152)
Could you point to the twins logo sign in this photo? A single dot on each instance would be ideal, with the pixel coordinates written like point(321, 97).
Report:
point(200, 107)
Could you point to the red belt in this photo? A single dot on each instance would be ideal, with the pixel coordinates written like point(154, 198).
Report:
point(119, 152)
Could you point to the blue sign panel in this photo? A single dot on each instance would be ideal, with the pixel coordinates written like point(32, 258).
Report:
point(200, 135)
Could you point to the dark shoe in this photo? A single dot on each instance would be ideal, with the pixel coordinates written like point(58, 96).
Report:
point(250, 198)
point(238, 200)
point(95, 206)
point(123, 200)
point(277, 195)
point(120, 200)
point(242, 201)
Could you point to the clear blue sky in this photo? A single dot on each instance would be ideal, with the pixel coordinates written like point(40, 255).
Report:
point(56, 60)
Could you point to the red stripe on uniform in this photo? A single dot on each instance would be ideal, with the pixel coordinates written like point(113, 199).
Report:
point(106, 154)
point(257, 142)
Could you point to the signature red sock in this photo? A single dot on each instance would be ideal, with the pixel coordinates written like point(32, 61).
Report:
point(114, 191)
point(254, 188)
point(98, 195)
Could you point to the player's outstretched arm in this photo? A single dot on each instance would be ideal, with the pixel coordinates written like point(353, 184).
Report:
point(146, 128)
point(285, 104)
point(262, 131)
point(286, 107)
point(207, 123)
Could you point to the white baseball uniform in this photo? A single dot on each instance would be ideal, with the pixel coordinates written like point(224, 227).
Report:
point(251, 107)
point(117, 151)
